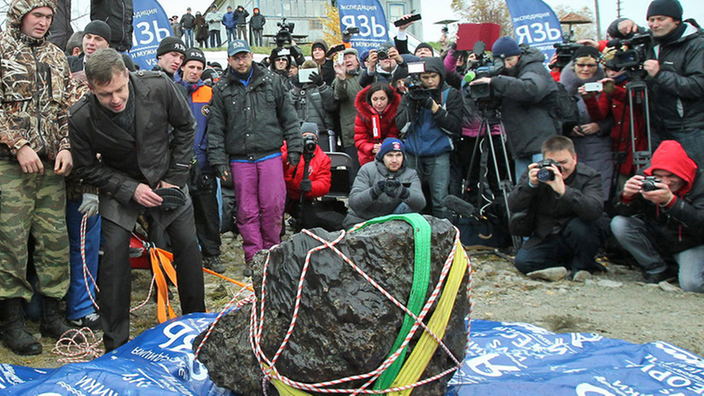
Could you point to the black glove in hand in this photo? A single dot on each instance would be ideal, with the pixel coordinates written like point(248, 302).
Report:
point(294, 158)
point(391, 187)
point(306, 186)
point(417, 95)
point(427, 102)
point(221, 171)
point(404, 193)
point(378, 189)
point(317, 79)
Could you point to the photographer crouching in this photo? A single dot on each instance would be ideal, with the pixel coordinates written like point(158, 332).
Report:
point(661, 217)
point(558, 204)
point(384, 186)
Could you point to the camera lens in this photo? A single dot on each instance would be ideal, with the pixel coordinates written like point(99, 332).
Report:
point(545, 175)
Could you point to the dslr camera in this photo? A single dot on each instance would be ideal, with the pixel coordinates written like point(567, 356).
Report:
point(546, 174)
point(631, 53)
point(309, 144)
point(382, 53)
point(649, 183)
point(283, 36)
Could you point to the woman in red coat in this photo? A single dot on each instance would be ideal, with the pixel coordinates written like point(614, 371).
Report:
point(376, 113)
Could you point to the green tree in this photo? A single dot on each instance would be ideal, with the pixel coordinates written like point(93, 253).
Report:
point(485, 11)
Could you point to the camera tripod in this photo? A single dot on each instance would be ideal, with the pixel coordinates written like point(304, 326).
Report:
point(483, 146)
point(637, 93)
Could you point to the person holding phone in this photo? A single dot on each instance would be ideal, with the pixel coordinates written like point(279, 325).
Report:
point(376, 113)
point(592, 140)
point(313, 98)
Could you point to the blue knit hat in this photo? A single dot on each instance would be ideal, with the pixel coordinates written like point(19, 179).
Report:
point(390, 144)
point(505, 47)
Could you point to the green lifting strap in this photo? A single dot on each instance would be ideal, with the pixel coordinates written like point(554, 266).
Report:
point(421, 280)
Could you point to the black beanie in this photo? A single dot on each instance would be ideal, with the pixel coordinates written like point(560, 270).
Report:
point(169, 44)
point(98, 28)
point(194, 54)
point(670, 8)
point(586, 51)
point(423, 45)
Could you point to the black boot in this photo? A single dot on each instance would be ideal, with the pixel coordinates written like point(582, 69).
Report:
point(14, 335)
point(53, 323)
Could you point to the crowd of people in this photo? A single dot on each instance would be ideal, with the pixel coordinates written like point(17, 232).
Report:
point(92, 147)
point(205, 30)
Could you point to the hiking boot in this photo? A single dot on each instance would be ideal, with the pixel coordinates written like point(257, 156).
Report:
point(666, 275)
point(91, 321)
point(53, 324)
point(214, 264)
point(14, 334)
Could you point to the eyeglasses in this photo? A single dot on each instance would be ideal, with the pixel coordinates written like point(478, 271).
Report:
point(585, 64)
point(281, 60)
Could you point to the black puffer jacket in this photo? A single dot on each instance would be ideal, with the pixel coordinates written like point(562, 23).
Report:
point(249, 123)
point(550, 212)
point(527, 121)
point(314, 104)
point(678, 89)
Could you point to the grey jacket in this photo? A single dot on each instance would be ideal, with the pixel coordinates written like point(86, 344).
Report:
point(252, 122)
point(364, 207)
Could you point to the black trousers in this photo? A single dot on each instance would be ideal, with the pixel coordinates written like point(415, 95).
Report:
point(207, 215)
point(115, 281)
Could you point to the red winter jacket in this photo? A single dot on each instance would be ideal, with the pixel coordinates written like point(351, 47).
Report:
point(363, 138)
point(318, 173)
point(616, 105)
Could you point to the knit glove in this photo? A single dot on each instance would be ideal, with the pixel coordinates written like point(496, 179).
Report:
point(378, 189)
point(306, 186)
point(89, 204)
point(294, 158)
point(317, 79)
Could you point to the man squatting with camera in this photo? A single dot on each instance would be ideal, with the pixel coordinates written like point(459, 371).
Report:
point(557, 204)
point(661, 215)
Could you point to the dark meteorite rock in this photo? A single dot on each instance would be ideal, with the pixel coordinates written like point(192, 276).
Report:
point(345, 326)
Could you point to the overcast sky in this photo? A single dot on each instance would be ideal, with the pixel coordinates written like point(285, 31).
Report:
point(437, 10)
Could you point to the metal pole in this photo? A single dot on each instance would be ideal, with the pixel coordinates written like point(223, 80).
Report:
point(598, 20)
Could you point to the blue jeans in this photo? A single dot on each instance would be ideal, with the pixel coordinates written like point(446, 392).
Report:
point(189, 37)
point(435, 171)
point(639, 239)
point(231, 34)
point(215, 39)
point(78, 302)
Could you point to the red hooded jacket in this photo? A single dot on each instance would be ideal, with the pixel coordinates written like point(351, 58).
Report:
point(318, 173)
point(671, 157)
point(363, 130)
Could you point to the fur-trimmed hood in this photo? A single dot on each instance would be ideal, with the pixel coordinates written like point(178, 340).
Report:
point(367, 111)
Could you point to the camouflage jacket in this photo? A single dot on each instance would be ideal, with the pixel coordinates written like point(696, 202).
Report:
point(34, 87)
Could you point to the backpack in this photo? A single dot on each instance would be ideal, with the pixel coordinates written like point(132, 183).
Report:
point(563, 108)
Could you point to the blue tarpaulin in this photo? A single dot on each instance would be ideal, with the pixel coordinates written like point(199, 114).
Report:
point(502, 359)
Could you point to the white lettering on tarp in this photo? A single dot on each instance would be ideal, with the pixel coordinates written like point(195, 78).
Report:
point(150, 355)
point(585, 389)
point(8, 376)
point(578, 339)
point(680, 354)
point(481, 365)
point(179, 332)
point(94, 387)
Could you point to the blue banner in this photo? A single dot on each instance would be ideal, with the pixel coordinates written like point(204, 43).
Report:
point(369, 17)
point(535, 24)
point(503, 359)
point(151, 25)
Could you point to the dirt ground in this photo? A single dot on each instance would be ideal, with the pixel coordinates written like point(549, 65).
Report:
point(615, 304)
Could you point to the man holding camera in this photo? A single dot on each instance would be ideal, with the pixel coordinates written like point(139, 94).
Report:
point(385, 186)
point(557, 204)
point(522, 85)
point(676, 78)
point(661, 217)
point(383, 64)
point(345, 88)
point(428, 118)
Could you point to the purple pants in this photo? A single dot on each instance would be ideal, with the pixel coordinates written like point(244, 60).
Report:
point(260, 191)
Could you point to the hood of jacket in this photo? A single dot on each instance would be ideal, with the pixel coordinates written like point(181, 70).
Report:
point(671, 157)
point(435, 64)
point(20, 8)
point(569, 78)
point(365, 109)
point(320, 42)
point(529, 55)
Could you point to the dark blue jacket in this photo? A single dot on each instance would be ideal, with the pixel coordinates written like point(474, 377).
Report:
point(229, 20)
point(199, 96)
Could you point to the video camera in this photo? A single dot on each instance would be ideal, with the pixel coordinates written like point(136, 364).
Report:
point(483, 66)
point(283, 36)
point(565, 51)
point(630, 53)
point(413, 82)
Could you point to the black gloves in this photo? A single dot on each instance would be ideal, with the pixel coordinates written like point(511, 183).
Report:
point(294, 158)
point(306, 186)
point(405, 193)
point(220, 171)
point(317, 79)
point(378, 189)
point(391, 187)
point(427, 102)
point(417, 95)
